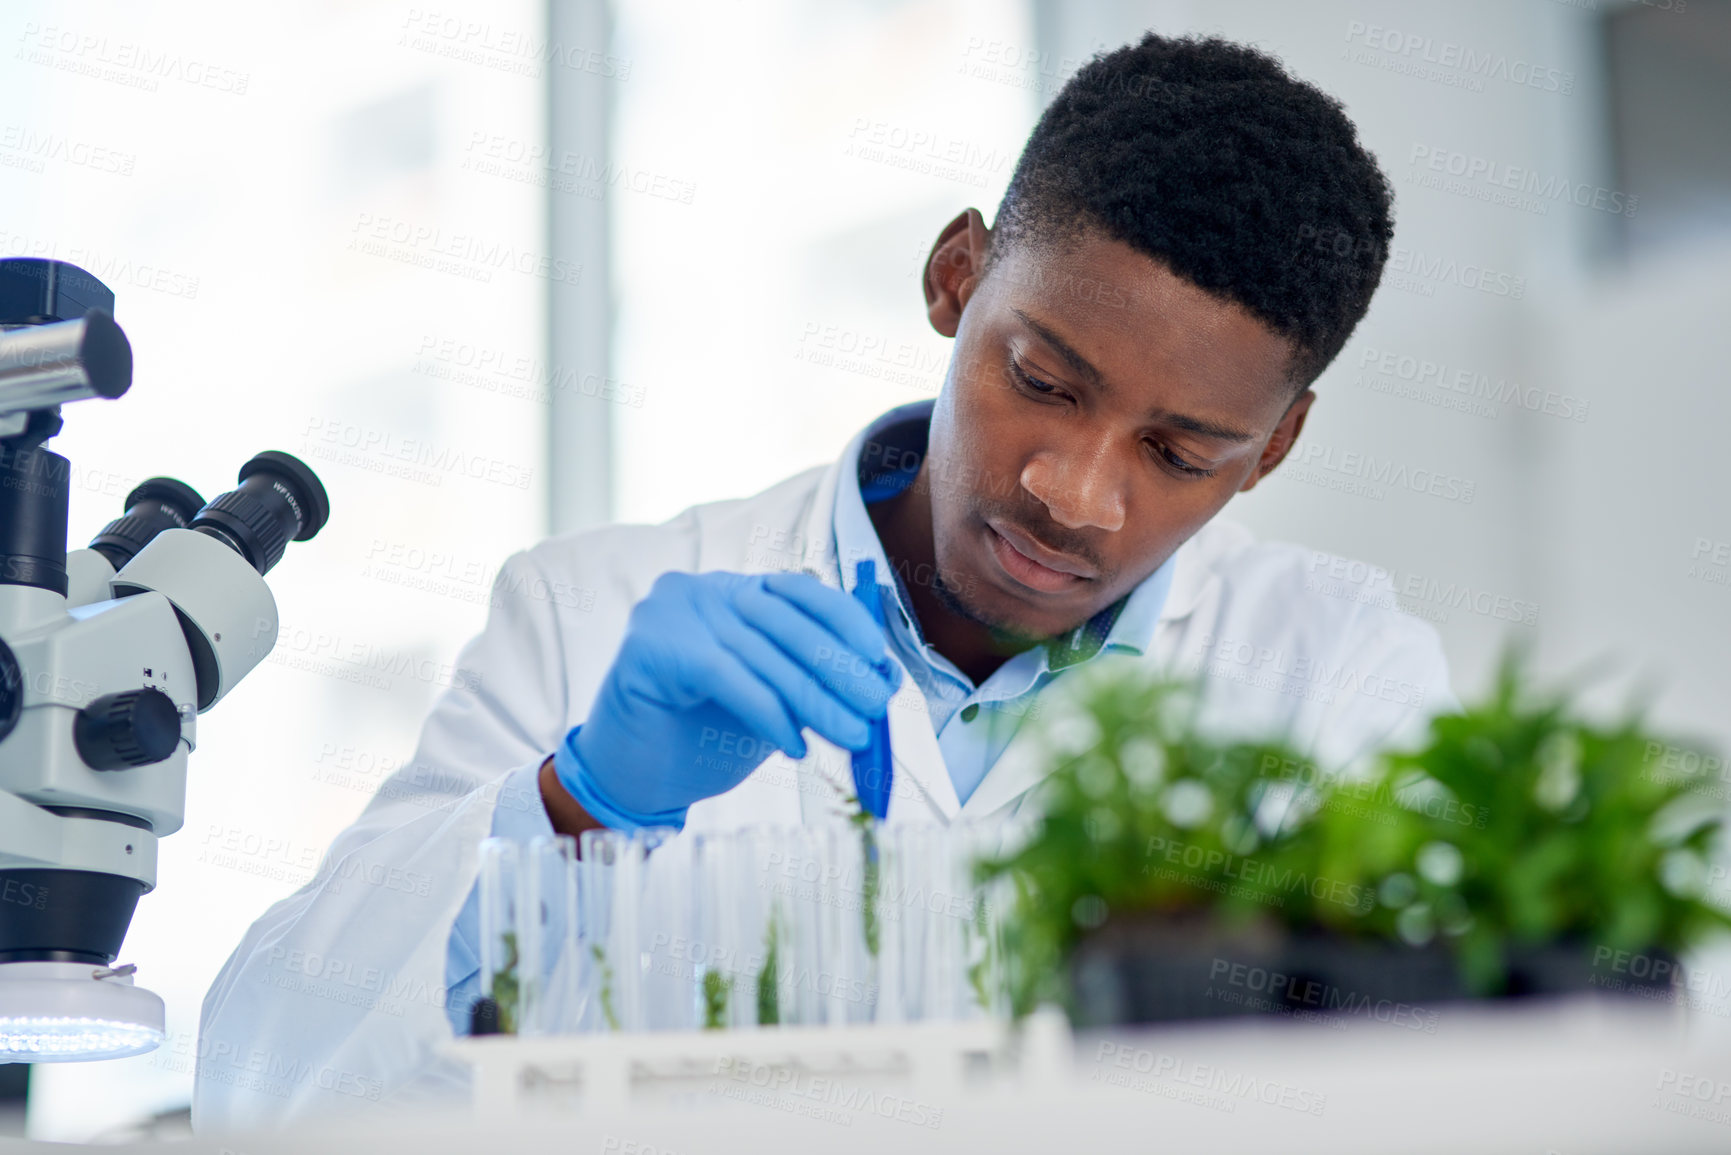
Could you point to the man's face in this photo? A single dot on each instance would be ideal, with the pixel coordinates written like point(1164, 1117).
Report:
point(1097, 412)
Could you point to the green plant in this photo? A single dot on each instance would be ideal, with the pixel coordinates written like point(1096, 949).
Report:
point(870, 869)
point(977, 933)
point(1518, 824)
point(608, 1011)
point(716, 990)
point(506, 993)
point(1132, 781)
point(768, 990)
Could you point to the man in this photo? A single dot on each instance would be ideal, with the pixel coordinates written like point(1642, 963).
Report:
point(1188, 240)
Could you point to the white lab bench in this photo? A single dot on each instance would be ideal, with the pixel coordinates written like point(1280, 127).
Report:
point(1568, 1077)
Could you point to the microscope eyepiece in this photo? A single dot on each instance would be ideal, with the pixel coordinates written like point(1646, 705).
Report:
point(155, 505)
point(279, 500)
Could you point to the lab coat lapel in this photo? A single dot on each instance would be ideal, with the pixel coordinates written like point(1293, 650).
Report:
point(1021, 765)
point(921, 791)
point(919, 764)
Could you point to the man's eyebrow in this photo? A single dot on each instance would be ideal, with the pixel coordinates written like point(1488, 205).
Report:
point(1082, 365)
point(1076, 361)
point(1207, 428)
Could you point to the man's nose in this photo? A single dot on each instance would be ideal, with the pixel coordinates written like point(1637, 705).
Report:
point(1079, 487)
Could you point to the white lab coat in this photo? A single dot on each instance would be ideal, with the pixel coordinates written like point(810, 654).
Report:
point(335, 996)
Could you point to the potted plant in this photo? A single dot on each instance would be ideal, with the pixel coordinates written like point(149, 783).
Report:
point(1175, 874)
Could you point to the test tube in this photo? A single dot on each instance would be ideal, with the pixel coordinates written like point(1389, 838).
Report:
point(919, 901)
point(849, 926)
point(665, 929)
point(501, 901)
point(715, 981)
point(796, 868)
point(897, 877)
point(743, 940)
point(551, 988)
point(752, 932)
point(780, 927)
point(623, 942)
point(601, 853)
point(633, 924)
point(985, 991)
point(950, 912)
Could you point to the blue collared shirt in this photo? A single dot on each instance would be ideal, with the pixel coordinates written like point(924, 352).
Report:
point(973, 723)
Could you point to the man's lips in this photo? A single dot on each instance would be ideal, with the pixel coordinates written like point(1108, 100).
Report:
point(1032, 564)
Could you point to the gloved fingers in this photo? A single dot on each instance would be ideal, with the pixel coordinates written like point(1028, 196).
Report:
point(737, 688)
point(860, 684)
point(807, 701)
point(834, 609)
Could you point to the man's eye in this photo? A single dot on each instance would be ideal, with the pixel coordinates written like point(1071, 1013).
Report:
point(1032, 382)
point(1178, 463)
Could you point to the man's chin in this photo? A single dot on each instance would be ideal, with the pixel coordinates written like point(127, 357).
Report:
point(1011, 633)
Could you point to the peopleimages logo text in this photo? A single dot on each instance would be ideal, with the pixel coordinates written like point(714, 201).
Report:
point(1474, 168)
point(1484, 64)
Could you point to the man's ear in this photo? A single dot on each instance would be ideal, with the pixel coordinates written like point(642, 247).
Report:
point(1281, 443)
point(953, 270)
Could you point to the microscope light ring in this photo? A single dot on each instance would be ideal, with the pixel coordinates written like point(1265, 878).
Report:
point(63, 1012)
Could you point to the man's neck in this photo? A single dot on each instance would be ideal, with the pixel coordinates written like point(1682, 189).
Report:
point(904, 526)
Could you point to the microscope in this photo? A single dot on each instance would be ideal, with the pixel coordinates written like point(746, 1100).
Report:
point(107, 657)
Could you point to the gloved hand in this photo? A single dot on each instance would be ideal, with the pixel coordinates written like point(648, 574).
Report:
point(717, 672)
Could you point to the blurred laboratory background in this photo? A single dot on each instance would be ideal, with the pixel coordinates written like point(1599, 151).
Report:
point(504, 269)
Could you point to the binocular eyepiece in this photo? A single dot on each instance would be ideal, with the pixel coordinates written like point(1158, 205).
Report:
point(279, 500)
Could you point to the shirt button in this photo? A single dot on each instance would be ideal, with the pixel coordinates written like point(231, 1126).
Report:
point(969, 711)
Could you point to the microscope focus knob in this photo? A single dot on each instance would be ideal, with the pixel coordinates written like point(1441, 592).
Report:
point(131, 728)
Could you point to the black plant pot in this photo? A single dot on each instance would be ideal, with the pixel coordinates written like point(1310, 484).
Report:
point(1151, 970)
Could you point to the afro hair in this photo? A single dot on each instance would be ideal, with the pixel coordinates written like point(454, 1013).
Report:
point(1207, 156)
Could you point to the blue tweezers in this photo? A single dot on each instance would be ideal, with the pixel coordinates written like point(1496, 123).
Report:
point(873, 768)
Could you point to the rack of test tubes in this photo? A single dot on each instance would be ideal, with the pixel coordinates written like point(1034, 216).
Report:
point(839, 925)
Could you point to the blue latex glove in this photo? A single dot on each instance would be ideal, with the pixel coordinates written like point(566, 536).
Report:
point(717, 672)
